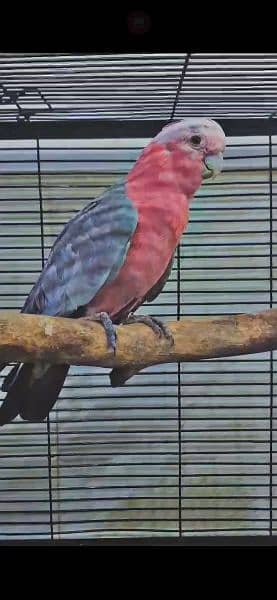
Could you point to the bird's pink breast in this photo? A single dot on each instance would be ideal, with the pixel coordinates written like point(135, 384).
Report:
point(163, 210)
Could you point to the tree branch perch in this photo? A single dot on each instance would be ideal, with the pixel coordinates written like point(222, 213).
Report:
point(31, 338)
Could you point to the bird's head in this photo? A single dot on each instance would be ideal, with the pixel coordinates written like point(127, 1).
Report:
point(198, 137)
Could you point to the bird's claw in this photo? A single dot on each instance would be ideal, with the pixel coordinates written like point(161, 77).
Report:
point(108, 325)
point(155, 324)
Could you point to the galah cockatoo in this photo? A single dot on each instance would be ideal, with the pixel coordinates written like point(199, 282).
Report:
point(117, 253)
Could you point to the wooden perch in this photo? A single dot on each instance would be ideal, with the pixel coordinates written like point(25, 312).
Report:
point(31, 338)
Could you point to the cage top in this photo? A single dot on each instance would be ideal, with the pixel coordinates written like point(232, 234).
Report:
point(52, 88)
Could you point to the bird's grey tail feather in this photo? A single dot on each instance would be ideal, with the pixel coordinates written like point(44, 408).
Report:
point(32, 390)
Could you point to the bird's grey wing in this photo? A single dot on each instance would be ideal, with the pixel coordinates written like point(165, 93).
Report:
point(88, 253)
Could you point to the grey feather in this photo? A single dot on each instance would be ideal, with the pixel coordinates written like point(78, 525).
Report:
point(88, 253)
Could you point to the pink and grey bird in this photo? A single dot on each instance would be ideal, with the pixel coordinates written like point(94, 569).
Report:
point(117, 253)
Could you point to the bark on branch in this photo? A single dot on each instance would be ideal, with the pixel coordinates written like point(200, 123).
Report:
point(31, 338)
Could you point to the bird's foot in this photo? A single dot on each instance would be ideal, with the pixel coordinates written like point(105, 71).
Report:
point(155, 324)
point(108, 325)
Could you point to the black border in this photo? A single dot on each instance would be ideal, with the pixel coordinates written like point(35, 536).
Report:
point(109, 128)
point(193, 541)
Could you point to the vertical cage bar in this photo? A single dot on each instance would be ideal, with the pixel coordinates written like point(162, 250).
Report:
point(48, 418)
point(179, 88)
point(179, 399)
point(271, 364)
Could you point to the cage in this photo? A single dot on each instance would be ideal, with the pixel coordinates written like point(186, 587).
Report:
point(182, 452)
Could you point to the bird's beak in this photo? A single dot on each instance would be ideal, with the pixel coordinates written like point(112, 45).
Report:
point(213, 165)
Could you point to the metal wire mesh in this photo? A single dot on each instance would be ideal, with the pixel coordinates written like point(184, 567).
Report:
point(180, 450)
point(135, 86)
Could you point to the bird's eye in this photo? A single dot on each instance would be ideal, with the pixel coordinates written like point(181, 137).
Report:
point(195, 140)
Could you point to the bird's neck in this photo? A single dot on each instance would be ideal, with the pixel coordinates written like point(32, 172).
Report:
point(166, 167)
